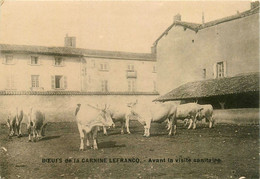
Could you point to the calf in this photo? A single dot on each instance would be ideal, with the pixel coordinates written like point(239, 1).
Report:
point(188, 111)
point(120, 114)
point(36, 125)
point(14, 122)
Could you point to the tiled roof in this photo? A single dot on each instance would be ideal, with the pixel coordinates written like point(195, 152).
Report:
point(79, 52)
point(73, 93)
point(196, 27)
point(240, 84)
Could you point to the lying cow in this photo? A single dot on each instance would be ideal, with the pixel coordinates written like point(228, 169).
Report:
point(89, 118)
point(119, 114)
point(155, 112)
point(207, 113)
point(14, 122)
point(36, 125)
point(188, 111)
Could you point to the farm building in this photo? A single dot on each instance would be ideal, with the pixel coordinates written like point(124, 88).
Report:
point(37, 69)
point(187, 52)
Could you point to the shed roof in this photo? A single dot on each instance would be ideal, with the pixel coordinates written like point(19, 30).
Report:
point(239, 84)
point(79, 52)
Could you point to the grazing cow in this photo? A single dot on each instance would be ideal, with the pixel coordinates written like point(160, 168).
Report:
point(154, 112)
point(14, 122)
point(188, 111)
point(36, 124)
point(89, 118)
point(207, 113)
point(119, 114)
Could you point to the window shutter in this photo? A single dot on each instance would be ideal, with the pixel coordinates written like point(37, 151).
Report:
point(63, 62)
point(225, 68)
point(53, 61)
point(215, 70)
point(52, 82)
point(65, 82)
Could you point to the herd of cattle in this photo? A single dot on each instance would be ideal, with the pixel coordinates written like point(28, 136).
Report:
point(89, 118)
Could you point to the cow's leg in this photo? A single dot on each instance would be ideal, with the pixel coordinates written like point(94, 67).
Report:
point(211, 122)
point(29, 131)
point(94, 137)
point(191, 121)
point(148, 126)
point(88, 137)
point(122, 127)
point(105, 130)
point(145, 130)
point(34, 134)
point(127, 124)
point(194, 123)
point(81, 134)
point(170, 125)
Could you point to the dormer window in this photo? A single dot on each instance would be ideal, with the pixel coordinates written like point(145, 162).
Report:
point(103, 67)
point(130, 67)
point(58, 61)
point(8, 60)
point(34, 60)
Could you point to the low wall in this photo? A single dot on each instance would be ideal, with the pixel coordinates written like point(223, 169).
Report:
point(61, 108)
point(244, 116)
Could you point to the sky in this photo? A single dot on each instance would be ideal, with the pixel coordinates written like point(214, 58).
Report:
point(130, 26)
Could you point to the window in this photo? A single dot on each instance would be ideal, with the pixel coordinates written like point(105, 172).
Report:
point(58, 61)
point(132, 85)
point(104, 85)
point(220, 69)
point(10, 82)
point(130, 67)
point(204, 73)
point(35, 81)
point(103, 67)
point(59, 82)
point(8, 60)
point(34, 60)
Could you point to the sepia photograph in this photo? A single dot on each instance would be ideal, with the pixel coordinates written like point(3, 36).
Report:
point(129, 89)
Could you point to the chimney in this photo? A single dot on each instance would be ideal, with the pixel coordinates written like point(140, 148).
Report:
point(203, 19)
point(254, 4)
point(177, 17)
point(70, 41)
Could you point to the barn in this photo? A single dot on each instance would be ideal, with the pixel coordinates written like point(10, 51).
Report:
point(235, 99)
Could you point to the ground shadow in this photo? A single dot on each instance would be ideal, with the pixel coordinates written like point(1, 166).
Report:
point(50, 137)
point(109, 144)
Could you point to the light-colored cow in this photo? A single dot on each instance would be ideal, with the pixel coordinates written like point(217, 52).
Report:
point(188, 111)
point(14, 122)
point(36, 124)
point(119, 114)
point(155, 112)
point(89, 118)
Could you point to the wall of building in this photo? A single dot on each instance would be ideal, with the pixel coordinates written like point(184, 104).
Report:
point(22, 71)
point(182, 54)
point(60, 108)
point(116, 74)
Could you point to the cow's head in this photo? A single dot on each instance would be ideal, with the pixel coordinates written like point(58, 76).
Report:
point(107, 117)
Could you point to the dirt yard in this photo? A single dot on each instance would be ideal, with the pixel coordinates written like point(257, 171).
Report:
point(227, 151)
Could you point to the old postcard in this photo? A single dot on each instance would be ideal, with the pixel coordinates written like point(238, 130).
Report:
point(129, 89)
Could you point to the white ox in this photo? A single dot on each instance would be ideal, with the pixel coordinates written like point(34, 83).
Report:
point(155, 112)
point(89, 118)
point(207, 113)
point(120, 114)
point(188, 111)
point(36, 124)
point(14, 121)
